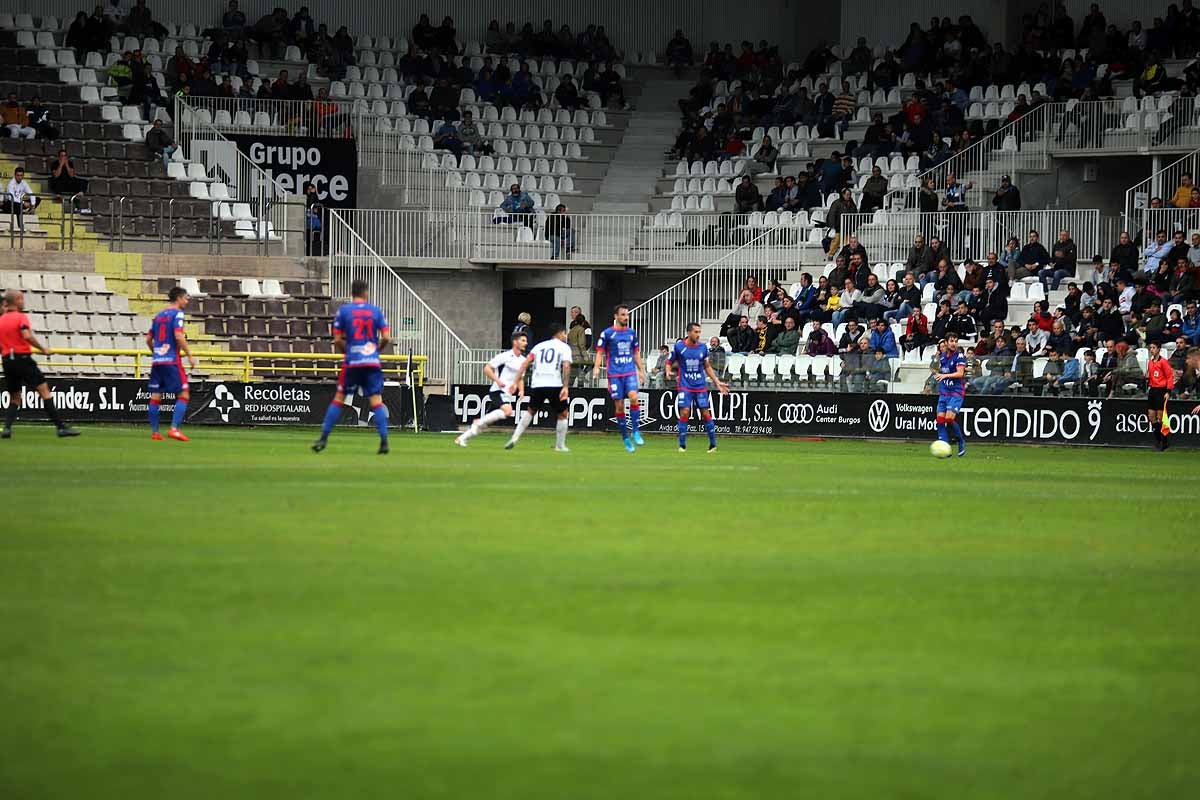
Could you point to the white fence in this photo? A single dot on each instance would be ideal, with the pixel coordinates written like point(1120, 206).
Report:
point(1160, 185)
point(1016, 146)
point(663, 240)
point(252, 115)
point(888, 236)
point(1151, 124)
point(416, 328)
point(703, 296)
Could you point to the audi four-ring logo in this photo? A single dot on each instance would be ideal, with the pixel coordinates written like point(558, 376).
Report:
point(878, 416)
point(795, 413)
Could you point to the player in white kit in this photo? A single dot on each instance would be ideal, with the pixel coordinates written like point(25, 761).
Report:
point(506, 388)
point(551, 362)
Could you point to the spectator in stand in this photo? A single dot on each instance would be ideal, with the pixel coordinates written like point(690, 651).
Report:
point(271, 33)
point(747, 197)
point(679, 53)
point(1031, 259)
point(764, 159)
point(910, 299)
point(159, 142)
point(883, 339)
point(567, 93)
point(19, 198)
point(16, 119)
point(920, 259)
point(1062, 263)
point(1183, 193)
point(916, 332)
point(742, 339)
point(446, 137)
point(472, 137)
point(787, 342)
point(819, 342)
point(849, 296)
point(1156, 251)
point(233, 20)
point(778, 196)
point(874, 190)
point(833, 217)
point(872, 304)
point(610, 86)
point(852, 335)
point(517, 208)
point(962, 322)
point(65, 183)
point(955, 198)
point(807, 195)
point(1179, 249)
point(443, 100)
point(995, 307)
point(1007, 197)
point(746, 307)
point(39, 118)
point(560, 233)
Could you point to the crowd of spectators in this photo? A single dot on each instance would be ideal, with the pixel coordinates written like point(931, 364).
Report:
point(1090, 339)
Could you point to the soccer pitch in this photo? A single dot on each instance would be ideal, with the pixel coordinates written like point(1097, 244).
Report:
point(238, 617)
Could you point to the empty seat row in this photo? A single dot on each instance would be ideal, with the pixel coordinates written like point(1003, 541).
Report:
point(260, 307)
point(77, 303)
point(529, 183)
point(53, 282)
point(492, 199)
point(60, 322)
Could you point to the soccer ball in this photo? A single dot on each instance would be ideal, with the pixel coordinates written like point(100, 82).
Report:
point(940, 449)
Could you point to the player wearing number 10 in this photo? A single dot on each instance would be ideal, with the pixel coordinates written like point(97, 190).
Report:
point(360, 330)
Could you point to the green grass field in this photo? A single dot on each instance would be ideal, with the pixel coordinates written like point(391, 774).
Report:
point(238, 617)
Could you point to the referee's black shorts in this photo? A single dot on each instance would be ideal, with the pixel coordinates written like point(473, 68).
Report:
point(20, 370)
point(1156, 398)
point(546, 395)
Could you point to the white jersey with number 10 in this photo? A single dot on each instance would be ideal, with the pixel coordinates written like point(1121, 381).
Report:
point(548, 358)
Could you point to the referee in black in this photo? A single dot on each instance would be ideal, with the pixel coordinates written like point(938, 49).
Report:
point(17, 344)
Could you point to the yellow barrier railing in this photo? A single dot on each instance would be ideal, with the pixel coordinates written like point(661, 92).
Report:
point(244, 362)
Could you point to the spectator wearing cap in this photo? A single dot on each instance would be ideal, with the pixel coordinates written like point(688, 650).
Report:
point(1007, 197)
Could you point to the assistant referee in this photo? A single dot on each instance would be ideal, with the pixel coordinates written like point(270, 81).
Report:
point(1161, 379)
point(21, 372)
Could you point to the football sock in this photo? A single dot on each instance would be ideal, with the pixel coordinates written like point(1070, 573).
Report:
point(180, 411)
point(941, 429)
point(487, 419)
point(332, 415)
point(526, 421)
point(623, 424)
point(381, 421)
point(958, 433)
point(710, 428)
point(682, 427)
point(52, 413)
point(635, 417)
point(560, 433)
point(154, 409)
point(10, 415)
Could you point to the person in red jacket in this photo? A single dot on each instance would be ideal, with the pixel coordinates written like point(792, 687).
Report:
point(916, 334)
point(1161, 378)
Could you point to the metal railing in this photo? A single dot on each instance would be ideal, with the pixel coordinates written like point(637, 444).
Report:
point(415, 326)
point(1161, 185)
point(1167, 123)
point(888, 236)
point(243, 366)
point(325, 119)
point(1170, 220)
point(704, 296)
point(684, 241)
point(245, 181)
point(1018, 145)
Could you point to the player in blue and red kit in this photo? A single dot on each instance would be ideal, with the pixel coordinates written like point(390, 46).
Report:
point(167, 340)
point(618, 346)
point(360, 330)
point(951, 378)
point(691, 356)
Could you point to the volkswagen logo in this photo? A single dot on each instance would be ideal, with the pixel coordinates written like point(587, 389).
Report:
point(795, 413)
point(878, 416)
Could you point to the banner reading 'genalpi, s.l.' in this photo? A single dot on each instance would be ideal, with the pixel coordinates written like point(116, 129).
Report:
point(219, 403)
point(987, 418)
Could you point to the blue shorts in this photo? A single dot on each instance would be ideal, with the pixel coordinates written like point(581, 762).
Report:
point(949, 402)
point(168, 379)
point(698, 400)
point(619, 388)
point(366, 381)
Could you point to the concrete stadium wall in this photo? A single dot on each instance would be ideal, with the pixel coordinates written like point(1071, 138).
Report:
point(470, 302)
